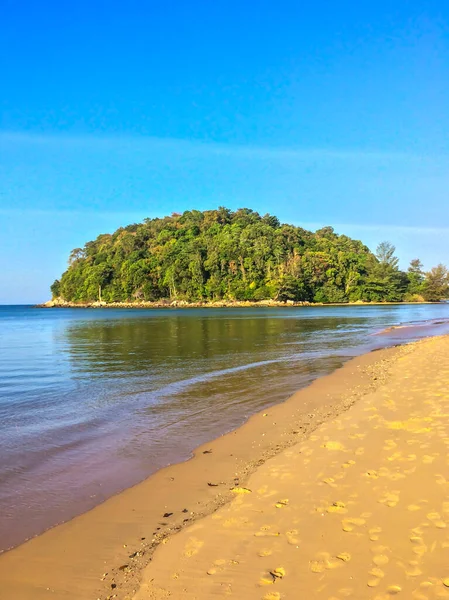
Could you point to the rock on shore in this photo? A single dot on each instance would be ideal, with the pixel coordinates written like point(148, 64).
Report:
point(61, 303)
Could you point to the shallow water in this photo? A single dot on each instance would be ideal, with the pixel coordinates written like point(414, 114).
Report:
point(92, 401)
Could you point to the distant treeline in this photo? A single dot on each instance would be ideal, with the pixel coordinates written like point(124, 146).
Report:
point(225, 255)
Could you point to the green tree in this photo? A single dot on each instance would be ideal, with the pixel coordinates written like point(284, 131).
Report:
point(384, 281)
point(436, 284)
point(385, 254)
point(415, 276)
point(55, 288)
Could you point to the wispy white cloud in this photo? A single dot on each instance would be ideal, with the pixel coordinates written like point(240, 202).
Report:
point(202, 148)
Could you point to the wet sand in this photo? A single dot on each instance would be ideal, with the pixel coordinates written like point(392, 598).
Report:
point(359, 510)
point(110, 551)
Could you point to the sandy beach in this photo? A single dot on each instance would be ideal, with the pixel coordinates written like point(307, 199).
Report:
point(360, 510)
point(338, 492)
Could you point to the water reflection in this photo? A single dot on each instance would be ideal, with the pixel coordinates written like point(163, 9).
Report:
point(92, 401)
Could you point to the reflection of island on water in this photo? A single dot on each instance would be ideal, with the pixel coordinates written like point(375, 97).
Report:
point(184, 360)
point(165, 354)
point(175, 378)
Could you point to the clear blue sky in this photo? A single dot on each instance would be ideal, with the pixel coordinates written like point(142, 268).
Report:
point(319, 112)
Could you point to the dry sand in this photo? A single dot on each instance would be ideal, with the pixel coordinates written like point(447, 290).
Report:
point(359, 510)
point(381, 465)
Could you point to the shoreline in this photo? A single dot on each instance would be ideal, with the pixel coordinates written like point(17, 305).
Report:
point(59, 303)
point(108, 547)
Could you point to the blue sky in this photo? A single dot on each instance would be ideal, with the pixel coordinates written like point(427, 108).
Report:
point(323, 113)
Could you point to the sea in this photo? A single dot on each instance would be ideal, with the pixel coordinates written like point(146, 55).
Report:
point(93, 401)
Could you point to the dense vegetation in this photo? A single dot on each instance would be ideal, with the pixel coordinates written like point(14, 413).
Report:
point(219, 254)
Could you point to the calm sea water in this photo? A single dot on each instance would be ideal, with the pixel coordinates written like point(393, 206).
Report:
point(92, 401)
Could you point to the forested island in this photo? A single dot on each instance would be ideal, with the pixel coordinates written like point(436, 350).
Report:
point(221, 255)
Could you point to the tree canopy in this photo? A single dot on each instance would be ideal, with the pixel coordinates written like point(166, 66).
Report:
point(241, 255)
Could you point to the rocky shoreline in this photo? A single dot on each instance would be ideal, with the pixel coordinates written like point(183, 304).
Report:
point(60, 303)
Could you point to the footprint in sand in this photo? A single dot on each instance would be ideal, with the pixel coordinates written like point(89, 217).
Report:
point(219, 565)
point(317, 566)
point(272, 576)
point(337, 507)
point(325, 561)
point(374, 533)
point(333, 446)
point(278, 572)
point(380, 560)
point(192, 547)
point(292, 538)
point(413, 569)
point(344, 556)
point(330, 481)
point(272, 596)
point(427, 459)
point(265, 532)
point(394, 589)
point(376, 572)
point(349, 524)
point(390, 498)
